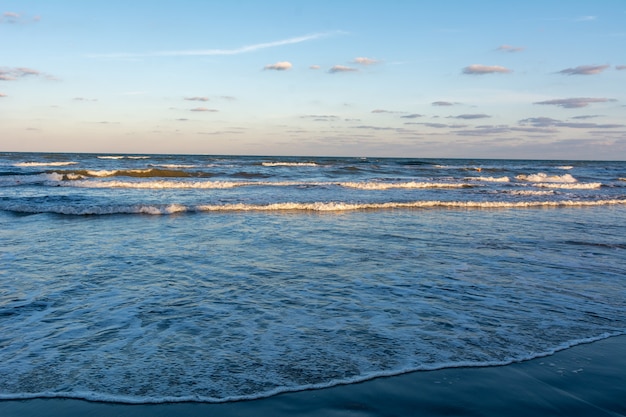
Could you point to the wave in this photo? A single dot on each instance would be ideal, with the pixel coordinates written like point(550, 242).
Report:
point(289, 164)
point(77, 179)
point(573, 186)
point(541, 177)
point(135, 173)
point(391, 185)
point(45, 164)
point(122, 157)
point(320, 207)
point(128, 399)
point(489, 179)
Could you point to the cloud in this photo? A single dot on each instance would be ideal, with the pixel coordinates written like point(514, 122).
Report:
point(2, 95)
point(502, 129)
point(438, 125)
point(575, 103)
point(197, 98)
point(585, 18)
point(320, 117)
point(585, 117)
point(387, 111)
point(279, 66)
point(549, 122)
point(211, 52)
point(13, 17)
point(314, 67)
point(469, 116)
point(509, 48)
point(12, 74)
point(443, 103)
point(478, 69)
point(204, 109)
point(620, 67)
point(584, 70)
point(365, 61)
point(84, 99)
point(341, 68)
point(411, 116)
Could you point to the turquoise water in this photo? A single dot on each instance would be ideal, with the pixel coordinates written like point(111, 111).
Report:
point(151, 278)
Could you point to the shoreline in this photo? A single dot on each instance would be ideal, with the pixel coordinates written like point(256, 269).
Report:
point(587, 379)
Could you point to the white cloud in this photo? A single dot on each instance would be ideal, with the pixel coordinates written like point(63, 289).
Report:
point(314, 67)
point(279, 66)
point(365, 61)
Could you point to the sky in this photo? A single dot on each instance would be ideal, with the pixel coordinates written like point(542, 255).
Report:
point(395, 78)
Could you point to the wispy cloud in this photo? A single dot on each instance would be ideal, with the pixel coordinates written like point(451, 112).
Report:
point(314, 67)
point(411, 116)
point(575, 103)
point(341, 68)
point(479, 69)
point(509, 48)
point(585, 18)
point(584, 70)
point(13, 18)
point(365, 61)
point(212, 52)
point(204, 109)
point(387, 111)
point(620, 67)
point(443, 103)
point(2, 95)
point(321, 117)
point(549, 122)
point(470, 116)
point(12, 74)
point(279, 66)
point(197, 98)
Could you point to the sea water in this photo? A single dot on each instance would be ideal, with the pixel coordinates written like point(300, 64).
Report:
point(153, 278)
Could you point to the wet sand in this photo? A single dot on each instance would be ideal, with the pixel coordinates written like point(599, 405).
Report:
point(586, 380)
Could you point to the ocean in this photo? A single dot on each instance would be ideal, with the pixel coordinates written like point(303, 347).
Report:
point(171, 278)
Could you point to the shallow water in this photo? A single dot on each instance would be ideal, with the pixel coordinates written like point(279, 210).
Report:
point(270, 290)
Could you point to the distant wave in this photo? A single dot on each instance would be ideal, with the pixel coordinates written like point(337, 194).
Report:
point(122, 157)
point(78, 181)
point(136, 173)
point(289, 164)
point(45, 164)
point(154, 209)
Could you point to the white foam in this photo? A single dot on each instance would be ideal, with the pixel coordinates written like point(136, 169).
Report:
point(289, 164)
point(530, 192)
point(489, 179)
point(45, 164)
point(572, 186)
point(341, 206)
point(392, 185)
point(542, 177)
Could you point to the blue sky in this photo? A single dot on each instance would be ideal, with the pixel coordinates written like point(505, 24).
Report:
point(481, 79)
